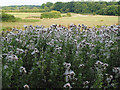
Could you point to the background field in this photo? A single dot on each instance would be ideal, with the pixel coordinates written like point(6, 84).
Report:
point(89, 20)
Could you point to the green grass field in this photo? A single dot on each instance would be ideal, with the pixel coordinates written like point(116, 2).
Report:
point(89, 20)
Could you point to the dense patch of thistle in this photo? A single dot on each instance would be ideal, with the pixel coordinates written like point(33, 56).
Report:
point(58, 57)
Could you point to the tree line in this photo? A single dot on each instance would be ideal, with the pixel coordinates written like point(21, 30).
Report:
point(102, 8)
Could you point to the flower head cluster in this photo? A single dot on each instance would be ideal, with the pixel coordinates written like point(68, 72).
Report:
point(35, 51)
point(79, 44)
point(12, 57)
point(26, 87)
point(70, 75)
point(100, 65)
point(22, 69)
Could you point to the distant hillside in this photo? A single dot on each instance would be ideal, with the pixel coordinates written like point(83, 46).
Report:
point(16, 7)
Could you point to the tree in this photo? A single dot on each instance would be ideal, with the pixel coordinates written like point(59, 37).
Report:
point(49, 4)
point(58, 6)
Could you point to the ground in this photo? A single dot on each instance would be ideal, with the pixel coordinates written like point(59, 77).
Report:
point(89, 20)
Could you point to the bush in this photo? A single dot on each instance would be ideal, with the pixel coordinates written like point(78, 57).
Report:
point(94, 13)
point(8, 17)
point(52, 14)
point(69, 14)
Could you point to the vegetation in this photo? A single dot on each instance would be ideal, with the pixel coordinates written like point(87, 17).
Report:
point(52, 14)
point(11, 18)
point(109, 10)
point(8, 18)
point(69, 14)
point(60, 57)
point(89, 20)
point(102, 8)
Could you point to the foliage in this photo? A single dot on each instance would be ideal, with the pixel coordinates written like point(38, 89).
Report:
point(57, 57)
point(9, 18)
point(69, 14)
point(26, 10)
point(94, 13)
point(110, 10)
point(52, 14)
point(64, 7)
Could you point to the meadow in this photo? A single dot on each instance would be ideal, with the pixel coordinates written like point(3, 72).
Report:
point(47, 50)
point(89, 20)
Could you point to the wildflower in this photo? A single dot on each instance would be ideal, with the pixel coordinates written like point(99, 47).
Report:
point(26, 86)
point(79, 25)
point(67, 75)
point(25, 26)
point(109, 78)
point(35, 51)
point(22, 69)
point(98, 63)
point(105, 65)
point(12, 57)
point(5, 67)
point(18, 40)
point(86, 82)
point(67, 85)
point(10, 52)
point(67, 65)
point(72, 74)
point(93, 56)
point(81, 65)
point(75, 41)
point(19, 51)
point(116, 69)
point(79, 46)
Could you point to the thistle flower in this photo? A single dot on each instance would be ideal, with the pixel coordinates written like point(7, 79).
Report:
point(116, 70)
point(72, 74)
point(25, 26)
point(12, 57)
point(19, 51)
point(79, 46)
point(109, 78)
point(79, 25)
point(67, 85)
point(10, 52)
point(86, 82)
point(18, 40)
point(22, 69)
point(5, 67)
point(81, 65)
point(67, 65)
point(26, 86)
point(35, 51)
point(93, 56)
point(98, 63)
point(105, 65)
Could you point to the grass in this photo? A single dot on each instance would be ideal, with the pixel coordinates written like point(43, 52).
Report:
point(89, 20)
point(24, 15)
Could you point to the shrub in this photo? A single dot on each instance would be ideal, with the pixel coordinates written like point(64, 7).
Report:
point(94, 13)
point(8, 17)
point(69, 14)
point(52, 14)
